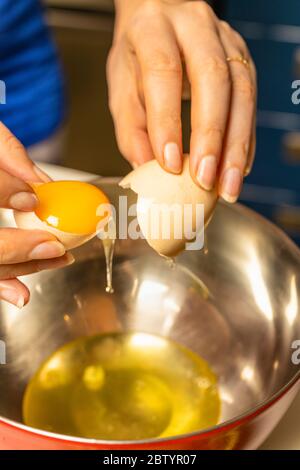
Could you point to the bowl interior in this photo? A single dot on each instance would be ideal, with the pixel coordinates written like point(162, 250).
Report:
point(235, 303)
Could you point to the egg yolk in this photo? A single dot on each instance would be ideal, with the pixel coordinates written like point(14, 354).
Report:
point(71, 206)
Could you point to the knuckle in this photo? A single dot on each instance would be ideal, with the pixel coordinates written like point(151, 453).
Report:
point(200, 8)
point(213, 131)
point(12, 143)
point(225, 25)
point(168, 120)
point(216, 66)
point(160, 62)
point(245, 87)
point(200, 13)
point(150, 7)
point(239, 147)
point(146, 17)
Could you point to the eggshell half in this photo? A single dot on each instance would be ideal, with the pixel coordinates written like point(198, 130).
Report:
point(30, 221)
point(153, 185)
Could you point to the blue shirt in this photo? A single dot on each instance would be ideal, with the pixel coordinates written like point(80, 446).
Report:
point(34, 106)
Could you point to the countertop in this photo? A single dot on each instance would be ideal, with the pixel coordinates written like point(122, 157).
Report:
point(95, 5)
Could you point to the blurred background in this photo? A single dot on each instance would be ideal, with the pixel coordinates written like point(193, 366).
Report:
point(83, 32)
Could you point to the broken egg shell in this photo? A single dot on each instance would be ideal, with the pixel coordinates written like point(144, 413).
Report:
point(153, 185)
point(30, 221)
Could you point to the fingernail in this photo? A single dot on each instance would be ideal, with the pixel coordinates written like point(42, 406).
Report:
point(41, 174)
point(48, 250)
point(207, 171)
point(172, 157)
point(23, 201)
point(12, 297)
point(231, 185)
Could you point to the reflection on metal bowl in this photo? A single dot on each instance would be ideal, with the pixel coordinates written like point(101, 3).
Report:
point(236, 304)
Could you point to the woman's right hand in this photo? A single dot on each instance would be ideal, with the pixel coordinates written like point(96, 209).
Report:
point(22, 251)
point(155, 43)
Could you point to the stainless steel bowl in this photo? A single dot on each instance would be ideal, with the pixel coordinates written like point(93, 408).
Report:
point(236, 303)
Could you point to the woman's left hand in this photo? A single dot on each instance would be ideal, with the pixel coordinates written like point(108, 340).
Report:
point(155, 40)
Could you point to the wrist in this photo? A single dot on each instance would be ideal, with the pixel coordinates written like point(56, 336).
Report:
point(124, 5)
point(126, 9)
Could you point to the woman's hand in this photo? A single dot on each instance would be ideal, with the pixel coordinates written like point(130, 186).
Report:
point(22, 251)
point(155, 42)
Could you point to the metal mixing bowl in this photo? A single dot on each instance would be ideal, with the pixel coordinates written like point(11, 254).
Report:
point(236, 303)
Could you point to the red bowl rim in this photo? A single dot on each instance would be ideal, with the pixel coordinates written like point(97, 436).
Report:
point(206, 433)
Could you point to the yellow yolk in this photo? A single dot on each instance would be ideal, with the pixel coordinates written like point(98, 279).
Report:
point(71, 206)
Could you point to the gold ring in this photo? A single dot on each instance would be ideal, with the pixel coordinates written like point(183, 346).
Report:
point(239, 59)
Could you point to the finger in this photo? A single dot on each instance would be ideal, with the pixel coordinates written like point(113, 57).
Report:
point(126, 108)
point(252, 150)
point(209, 76)
point(132, 136)
point(14, 292)
point(240, 125)
point(10, 271)
point(159, 59)
point(18, 245)
point(14, 159)
point(15, 193)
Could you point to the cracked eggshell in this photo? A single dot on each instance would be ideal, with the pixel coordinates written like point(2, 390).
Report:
point(30, 221)
point(153, 185)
